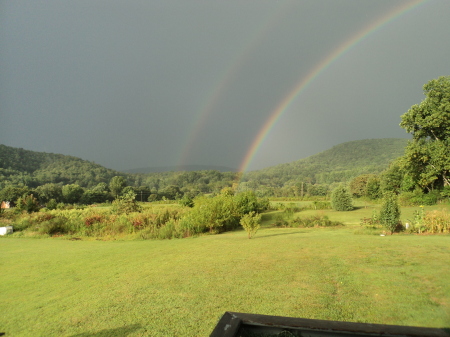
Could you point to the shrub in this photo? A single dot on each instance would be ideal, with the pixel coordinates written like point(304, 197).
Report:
point(186, 201)
point(341, 199)
point(126, 204)
point(314, 221)
point(417, 197)
point(280, 221)
point(251, 223)
point(390, 212)
point(319, 205)
point(27, 203)
point(53, 226)
point(51, 204)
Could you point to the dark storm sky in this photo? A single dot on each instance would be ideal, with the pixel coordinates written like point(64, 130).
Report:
point(132, 84)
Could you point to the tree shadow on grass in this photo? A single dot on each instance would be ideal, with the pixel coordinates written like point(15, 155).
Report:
point(122, 331)
point(277, 234)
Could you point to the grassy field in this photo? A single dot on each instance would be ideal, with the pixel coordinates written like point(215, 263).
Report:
point(58, 287)
point(362, 210)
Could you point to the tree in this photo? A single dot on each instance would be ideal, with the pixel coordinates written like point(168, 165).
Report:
point(341, 200)
point(391, 178)
point(427, 155)
point(373, 190)
point(251, 223)
point(72, 193)
point(390, 212)
point(116, 185)
point(11, 193)
point(358, 185)
point(172, 192)
point(47, 192)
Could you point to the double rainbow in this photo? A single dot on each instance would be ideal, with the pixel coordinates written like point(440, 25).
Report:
point(316, 71)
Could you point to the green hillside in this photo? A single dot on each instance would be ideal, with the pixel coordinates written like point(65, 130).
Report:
point(37, 168)
point(31, 168)
point(338, 164)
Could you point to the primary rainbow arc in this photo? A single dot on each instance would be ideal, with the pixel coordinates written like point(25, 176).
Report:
point(315, 72)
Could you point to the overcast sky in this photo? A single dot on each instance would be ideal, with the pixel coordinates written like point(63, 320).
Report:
point(132, 84)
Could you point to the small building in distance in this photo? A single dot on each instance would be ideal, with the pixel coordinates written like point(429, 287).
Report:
point(5, 204)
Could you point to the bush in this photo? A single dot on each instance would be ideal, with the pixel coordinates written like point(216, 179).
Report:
point(27, 203)
point(51, 204)
point(341, 199)
point(319, 205)
point(417, 198)
point(186, 201)
point(126, 204)
point(280, 221)
point(314, 221)
point(390, 212)
point(53, 226)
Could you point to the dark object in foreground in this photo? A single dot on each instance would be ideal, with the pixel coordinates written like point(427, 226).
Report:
point(234, 324)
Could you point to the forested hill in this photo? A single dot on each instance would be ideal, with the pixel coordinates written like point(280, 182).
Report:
point(338, 164)
point(184, 168)
point(36, 168)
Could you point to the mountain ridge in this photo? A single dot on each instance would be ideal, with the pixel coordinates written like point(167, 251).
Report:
point(337, 164)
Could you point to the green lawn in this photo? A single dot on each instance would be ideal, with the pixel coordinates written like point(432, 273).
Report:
point(57, 287)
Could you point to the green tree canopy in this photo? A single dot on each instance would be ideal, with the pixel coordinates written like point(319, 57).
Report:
point(427, 155)
point(72, 193)
point(116, 185)
point(50, 191)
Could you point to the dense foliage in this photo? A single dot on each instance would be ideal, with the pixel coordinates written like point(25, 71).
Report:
point(427, 156)
point(213, 214)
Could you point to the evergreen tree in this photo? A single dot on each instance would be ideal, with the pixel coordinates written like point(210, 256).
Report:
point(341, 200)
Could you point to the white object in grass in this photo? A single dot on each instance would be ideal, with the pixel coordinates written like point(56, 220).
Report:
point(6, 230)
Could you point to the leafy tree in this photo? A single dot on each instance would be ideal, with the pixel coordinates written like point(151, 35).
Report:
point(358, 185)
point(341, 200)
point(390, 212)
point(186, 201)
point(51, 204)
point(373, 188)
point(251, 223)
point(391, 179)
point(128, 189)
point(317, 190)
point(72, 193)
point(93, 196)
point(427, 155)
point(12, 193)
point(172, 192)
point(50, 191)
point(101, 187)
point(116, 185)
point(246, 202)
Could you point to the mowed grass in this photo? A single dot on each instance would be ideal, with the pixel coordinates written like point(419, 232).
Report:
point(57, 287)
